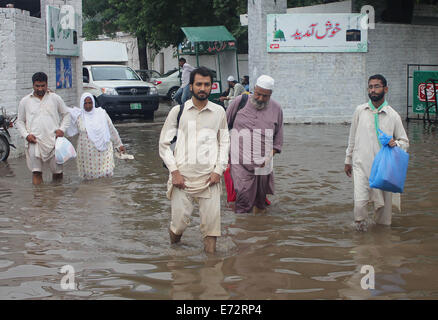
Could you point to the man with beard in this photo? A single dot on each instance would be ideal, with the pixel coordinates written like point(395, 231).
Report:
point(260, 125)
point(235, 90)
point(198, 161)
point(363, 145)
point(42, 117)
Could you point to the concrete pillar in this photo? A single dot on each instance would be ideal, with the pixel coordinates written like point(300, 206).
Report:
point(258, 62)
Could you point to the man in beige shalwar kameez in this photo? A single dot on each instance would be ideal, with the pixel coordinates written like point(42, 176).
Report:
point(42, 117)
point(199, 160)
point(363, 145)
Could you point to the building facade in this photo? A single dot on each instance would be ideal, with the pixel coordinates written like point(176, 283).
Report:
point(326, 87)
point(23, 51)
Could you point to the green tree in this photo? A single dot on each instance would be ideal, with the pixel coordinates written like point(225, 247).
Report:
point(157, 23)
point(98, 18)
point(228, 14)
point(161, 21)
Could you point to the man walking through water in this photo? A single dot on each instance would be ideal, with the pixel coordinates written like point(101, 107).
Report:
point(260, 123)
point(363, 145)
point(198, 161)
point(42, 117)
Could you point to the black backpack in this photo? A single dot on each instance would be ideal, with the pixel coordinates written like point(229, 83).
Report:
point(173, 142)
point(181, 109)
point(242, 103)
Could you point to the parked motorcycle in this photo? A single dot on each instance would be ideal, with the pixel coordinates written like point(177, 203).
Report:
point(5, 138)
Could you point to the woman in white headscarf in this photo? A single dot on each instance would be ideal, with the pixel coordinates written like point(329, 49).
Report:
point(97, 136)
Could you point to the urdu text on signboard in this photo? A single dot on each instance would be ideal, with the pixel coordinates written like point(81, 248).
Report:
point(340, 32)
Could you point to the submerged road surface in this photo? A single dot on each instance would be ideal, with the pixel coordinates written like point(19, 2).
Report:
point(112, 233)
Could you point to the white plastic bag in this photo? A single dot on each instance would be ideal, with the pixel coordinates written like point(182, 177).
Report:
point(124, 156)
point(64, 150)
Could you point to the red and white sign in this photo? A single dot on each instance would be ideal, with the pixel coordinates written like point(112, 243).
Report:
point(430, 92)
point(215, 88)
point(274, 46)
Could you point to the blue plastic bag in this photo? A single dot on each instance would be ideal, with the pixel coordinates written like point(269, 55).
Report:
point(389, 168)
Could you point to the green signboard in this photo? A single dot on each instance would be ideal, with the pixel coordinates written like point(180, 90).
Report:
point(419, 95)
point(206, 47)
point(62, 37)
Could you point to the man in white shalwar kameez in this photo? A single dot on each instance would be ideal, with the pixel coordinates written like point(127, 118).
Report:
point(363, 145)
point(42, 117)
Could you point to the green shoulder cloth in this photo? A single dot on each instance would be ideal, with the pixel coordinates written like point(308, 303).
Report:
point(376, 117)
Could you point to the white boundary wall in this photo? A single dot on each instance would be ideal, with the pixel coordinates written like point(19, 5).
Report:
point(326, 87)
point(23, 52)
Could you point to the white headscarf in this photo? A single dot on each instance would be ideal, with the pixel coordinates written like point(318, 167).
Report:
point(95, 122)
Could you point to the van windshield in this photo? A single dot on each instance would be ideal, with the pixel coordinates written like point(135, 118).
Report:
point(101, 73)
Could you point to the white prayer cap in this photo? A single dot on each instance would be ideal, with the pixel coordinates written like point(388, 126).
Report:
point(230, 78)
point(265, 82)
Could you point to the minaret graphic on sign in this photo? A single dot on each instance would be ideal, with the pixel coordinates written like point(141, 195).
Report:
point(278, 34)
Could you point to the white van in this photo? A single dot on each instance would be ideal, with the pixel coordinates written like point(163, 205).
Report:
point(116, 87)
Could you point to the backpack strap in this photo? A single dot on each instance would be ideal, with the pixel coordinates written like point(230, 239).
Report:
point(242, 103)
point(181, 109)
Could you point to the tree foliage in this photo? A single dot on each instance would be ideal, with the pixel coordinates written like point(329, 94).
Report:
point(158, 22)
point(98, 18)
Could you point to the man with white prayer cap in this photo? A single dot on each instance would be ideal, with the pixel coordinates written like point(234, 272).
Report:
point(256, 136)
point(236, 89)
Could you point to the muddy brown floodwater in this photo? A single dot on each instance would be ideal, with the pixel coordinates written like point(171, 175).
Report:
point(113, 232)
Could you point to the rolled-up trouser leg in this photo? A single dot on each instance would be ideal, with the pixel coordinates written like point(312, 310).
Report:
point(383, 215)
point(181, 208)
point(36, 164)
point(210, 213)
point(360, 210)
point(361, 194)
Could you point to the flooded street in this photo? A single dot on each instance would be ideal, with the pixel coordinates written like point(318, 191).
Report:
point(113, 232)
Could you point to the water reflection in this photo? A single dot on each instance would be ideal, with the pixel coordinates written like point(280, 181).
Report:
point(114, 231)
point(199, 281)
